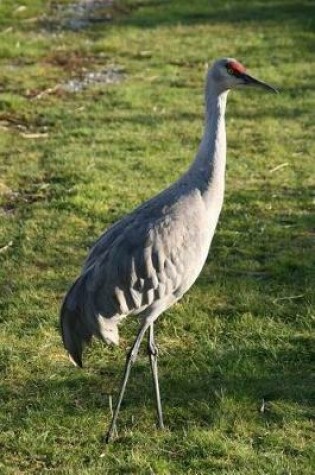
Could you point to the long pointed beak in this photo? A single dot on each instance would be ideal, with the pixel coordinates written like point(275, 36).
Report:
point(251, 81)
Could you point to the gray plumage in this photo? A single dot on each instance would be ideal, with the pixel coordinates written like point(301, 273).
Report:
point(143, 263)
point(146, 261)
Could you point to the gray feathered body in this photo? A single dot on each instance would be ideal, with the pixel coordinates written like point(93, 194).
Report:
point(146, 261)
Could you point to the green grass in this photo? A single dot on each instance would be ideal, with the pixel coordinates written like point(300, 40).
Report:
point(245, 332)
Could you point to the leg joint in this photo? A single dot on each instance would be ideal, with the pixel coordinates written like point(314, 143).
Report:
point(153, 349)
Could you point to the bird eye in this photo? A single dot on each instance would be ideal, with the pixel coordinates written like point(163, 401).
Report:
point(230, 70)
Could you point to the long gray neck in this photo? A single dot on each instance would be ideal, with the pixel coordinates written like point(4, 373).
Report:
point(208, 167)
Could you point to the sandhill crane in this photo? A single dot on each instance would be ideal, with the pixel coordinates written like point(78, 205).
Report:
point(146, 261)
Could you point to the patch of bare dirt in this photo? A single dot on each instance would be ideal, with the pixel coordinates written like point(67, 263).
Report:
point(110, 75)
point(79, 15)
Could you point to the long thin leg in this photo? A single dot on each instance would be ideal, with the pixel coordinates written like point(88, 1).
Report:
point(131, 358)
point(153, 355)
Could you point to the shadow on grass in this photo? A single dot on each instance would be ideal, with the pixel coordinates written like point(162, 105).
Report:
point(196, 396)
point(190, 398)
point(280, 246)
point(156, 12)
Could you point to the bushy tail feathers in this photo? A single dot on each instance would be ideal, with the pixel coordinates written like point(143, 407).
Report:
point(75, 327)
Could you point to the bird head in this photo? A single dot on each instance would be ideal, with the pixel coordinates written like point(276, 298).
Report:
point(228, 73)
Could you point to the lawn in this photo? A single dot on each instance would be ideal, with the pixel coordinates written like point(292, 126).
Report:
point(101, 106)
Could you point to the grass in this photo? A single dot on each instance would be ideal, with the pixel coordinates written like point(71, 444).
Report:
point(72, 163)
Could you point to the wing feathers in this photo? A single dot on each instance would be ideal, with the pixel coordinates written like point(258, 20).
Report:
point(139, 260)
